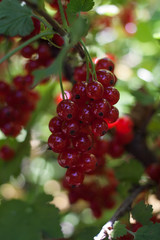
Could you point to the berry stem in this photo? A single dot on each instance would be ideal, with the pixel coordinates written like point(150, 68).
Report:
point(8, 55)
point(90, 59)
point(43, 21)
point(132, 233)
point(65, 25)
point(61, 85)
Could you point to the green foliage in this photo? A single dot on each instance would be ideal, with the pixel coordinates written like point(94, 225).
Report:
point(129, 171)
point(142, 213)
point(29, 221)
point(39, 3)
point(15, 19)
point(143, 98)
point(76, 6)
point(148, 232)
point(119, 230)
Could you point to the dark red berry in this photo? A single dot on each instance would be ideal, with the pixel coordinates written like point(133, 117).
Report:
point(85, 114)
point(111, 95)
point(67, 109)
point(115, 149)
point(153, 171)
point(36, 30)
point(6, 153)
point(70, 128)
point(68, 158)
point(113, 115)
point(99, 127)
point(57, 142)
point(95, 90)
point(55, 124)
point(74, 176)
point(105, 63)
point(83, 142)
point(43, 51)
point(58, 40)
point(27, 51)
point(80, 73)
point(100, 108)
point(106, 78)
point(79, 92)
point(88, 162)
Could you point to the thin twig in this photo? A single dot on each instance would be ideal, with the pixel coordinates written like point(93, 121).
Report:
point(124, 207)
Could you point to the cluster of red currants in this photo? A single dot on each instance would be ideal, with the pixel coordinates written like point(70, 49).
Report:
point(99, 197)
point(83, 119)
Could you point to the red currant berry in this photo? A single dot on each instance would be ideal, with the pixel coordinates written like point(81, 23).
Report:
point(106, 78)
point(67, 109)
point(6, 153)
point(83, 142)
point(111, 95)
point(80, 73)
point(70, 128)
point(99, 127)
point(58, 40)
point(4, 90)
point(100, 108)
point(105, 63)
point(79, 92)
point(115, 149)
point(36, 29)
point(88, 162)
point(113, 115)
point(74, 176)
point(27, 51)
point(43, 51)
point(124, 124)
point(55, 124)
point(95, 90)
point(57, 142)
point(68, 158)
point(153, 171)
point(85, 114)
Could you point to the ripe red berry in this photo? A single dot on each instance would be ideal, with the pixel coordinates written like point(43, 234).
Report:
point(85, 114)
point(80, 73)
point(95, 90)
point(55, 124)
point(67, 109)
point(82, 142)
point(36, 30)
point(27, 51)
point(68, 158)
point(105, 63)
point(70, 128)
point(113, 115)
point(100, 108)
point(106, 78)
point(111, 95)
point(88, 162)
point(99, 127)
point(43, 51)
point(6, 153)
point(58, 40)
point(153, 171)
point(4, 90)
point(79, 93)
point(115, 149)
point(74, 176)
point(124, 124)
point(57, 142)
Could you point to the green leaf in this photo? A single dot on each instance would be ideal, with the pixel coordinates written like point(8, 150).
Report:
point(76, 6)
point(29, 221)
point(119, 230)
point(148, 232)
point(129, 171)
point(15, 19)
point(142, 213)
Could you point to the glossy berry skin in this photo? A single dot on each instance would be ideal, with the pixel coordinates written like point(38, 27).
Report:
point(67, 110)
point(105, 63)
point(100, 108)
point(99, 127)
point(55, 124)
point(11, 129)
point(70, 128)
point(68, 158)
point(6, 153)
point(113, 115)
point(79, 93)
point(88, 162)
point(58, 40)
point(85, 114)
point(111, 95)
point(27, 51)
point(83, 142)
point(95, 90)
point(74, 177)
point(57, 142)
point(106, 78)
